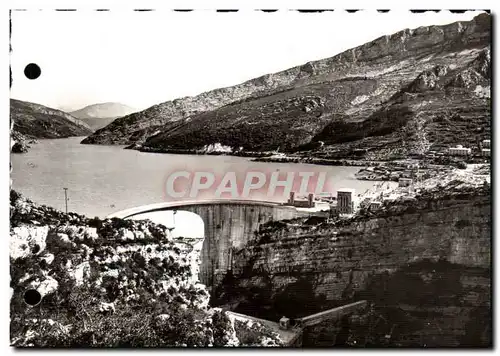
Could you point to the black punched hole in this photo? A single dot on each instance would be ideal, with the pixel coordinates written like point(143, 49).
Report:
point(32, 297)
point(32, 71)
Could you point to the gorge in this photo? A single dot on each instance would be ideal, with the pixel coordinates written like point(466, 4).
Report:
point(425, 263)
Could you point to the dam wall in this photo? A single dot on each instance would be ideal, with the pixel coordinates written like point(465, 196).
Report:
point(425, 264)
point(229, 226)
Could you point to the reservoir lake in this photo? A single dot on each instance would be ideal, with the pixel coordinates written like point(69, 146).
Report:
point(105, 179)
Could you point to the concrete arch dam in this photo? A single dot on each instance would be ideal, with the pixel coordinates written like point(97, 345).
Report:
point(228, 225)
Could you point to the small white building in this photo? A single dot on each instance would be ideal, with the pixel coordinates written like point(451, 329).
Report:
point(300, 202)
point(390, 198)
point(486, 143)
point(459, 151)
point(325, 197)
point(419, 176)
point(375, 205)
point(486, 152)
point(345, 200)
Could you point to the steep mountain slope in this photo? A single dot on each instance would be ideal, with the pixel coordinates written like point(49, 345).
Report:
point(375, 93)
point(445, 105)
point(100, 115)
point(35, 120)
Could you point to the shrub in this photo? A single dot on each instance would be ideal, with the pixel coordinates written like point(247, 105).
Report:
point(462, 223)
point(221, 324)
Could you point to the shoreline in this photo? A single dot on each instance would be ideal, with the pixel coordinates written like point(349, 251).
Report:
point(267, 157)
point(199, 152)
point(346, 162)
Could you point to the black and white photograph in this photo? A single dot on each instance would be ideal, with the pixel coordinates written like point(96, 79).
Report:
point(250, 178)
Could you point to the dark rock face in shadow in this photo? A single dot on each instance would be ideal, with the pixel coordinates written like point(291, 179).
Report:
point(425, 268)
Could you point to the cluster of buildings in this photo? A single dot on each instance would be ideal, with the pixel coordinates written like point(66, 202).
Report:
point(299, 202)
point(486, 148)
point(343, 204)
point(405, 182)
point(346, 202)
point(459, 150)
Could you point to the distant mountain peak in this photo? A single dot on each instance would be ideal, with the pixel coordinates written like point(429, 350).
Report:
point(101, 114)
point(103, 110)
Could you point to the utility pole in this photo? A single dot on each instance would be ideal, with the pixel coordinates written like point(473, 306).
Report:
point(66, 198)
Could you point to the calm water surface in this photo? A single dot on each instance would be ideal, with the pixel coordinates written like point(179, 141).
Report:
point(105, 179)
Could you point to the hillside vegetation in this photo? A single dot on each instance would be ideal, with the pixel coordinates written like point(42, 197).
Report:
point(38, 121)
point(109, 283)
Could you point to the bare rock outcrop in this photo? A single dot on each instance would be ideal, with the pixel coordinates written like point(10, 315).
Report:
point(424, 263)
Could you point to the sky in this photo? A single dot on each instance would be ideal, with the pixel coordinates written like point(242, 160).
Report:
point(145, 58)
point(182, 223)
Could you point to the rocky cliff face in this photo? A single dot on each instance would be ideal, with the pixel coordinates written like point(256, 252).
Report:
point(386, 95)
point(39, 121)
point(424, 263)
point(79, 282)
point(19, 142)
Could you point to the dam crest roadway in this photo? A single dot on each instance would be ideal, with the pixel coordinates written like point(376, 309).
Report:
point(228, 225)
